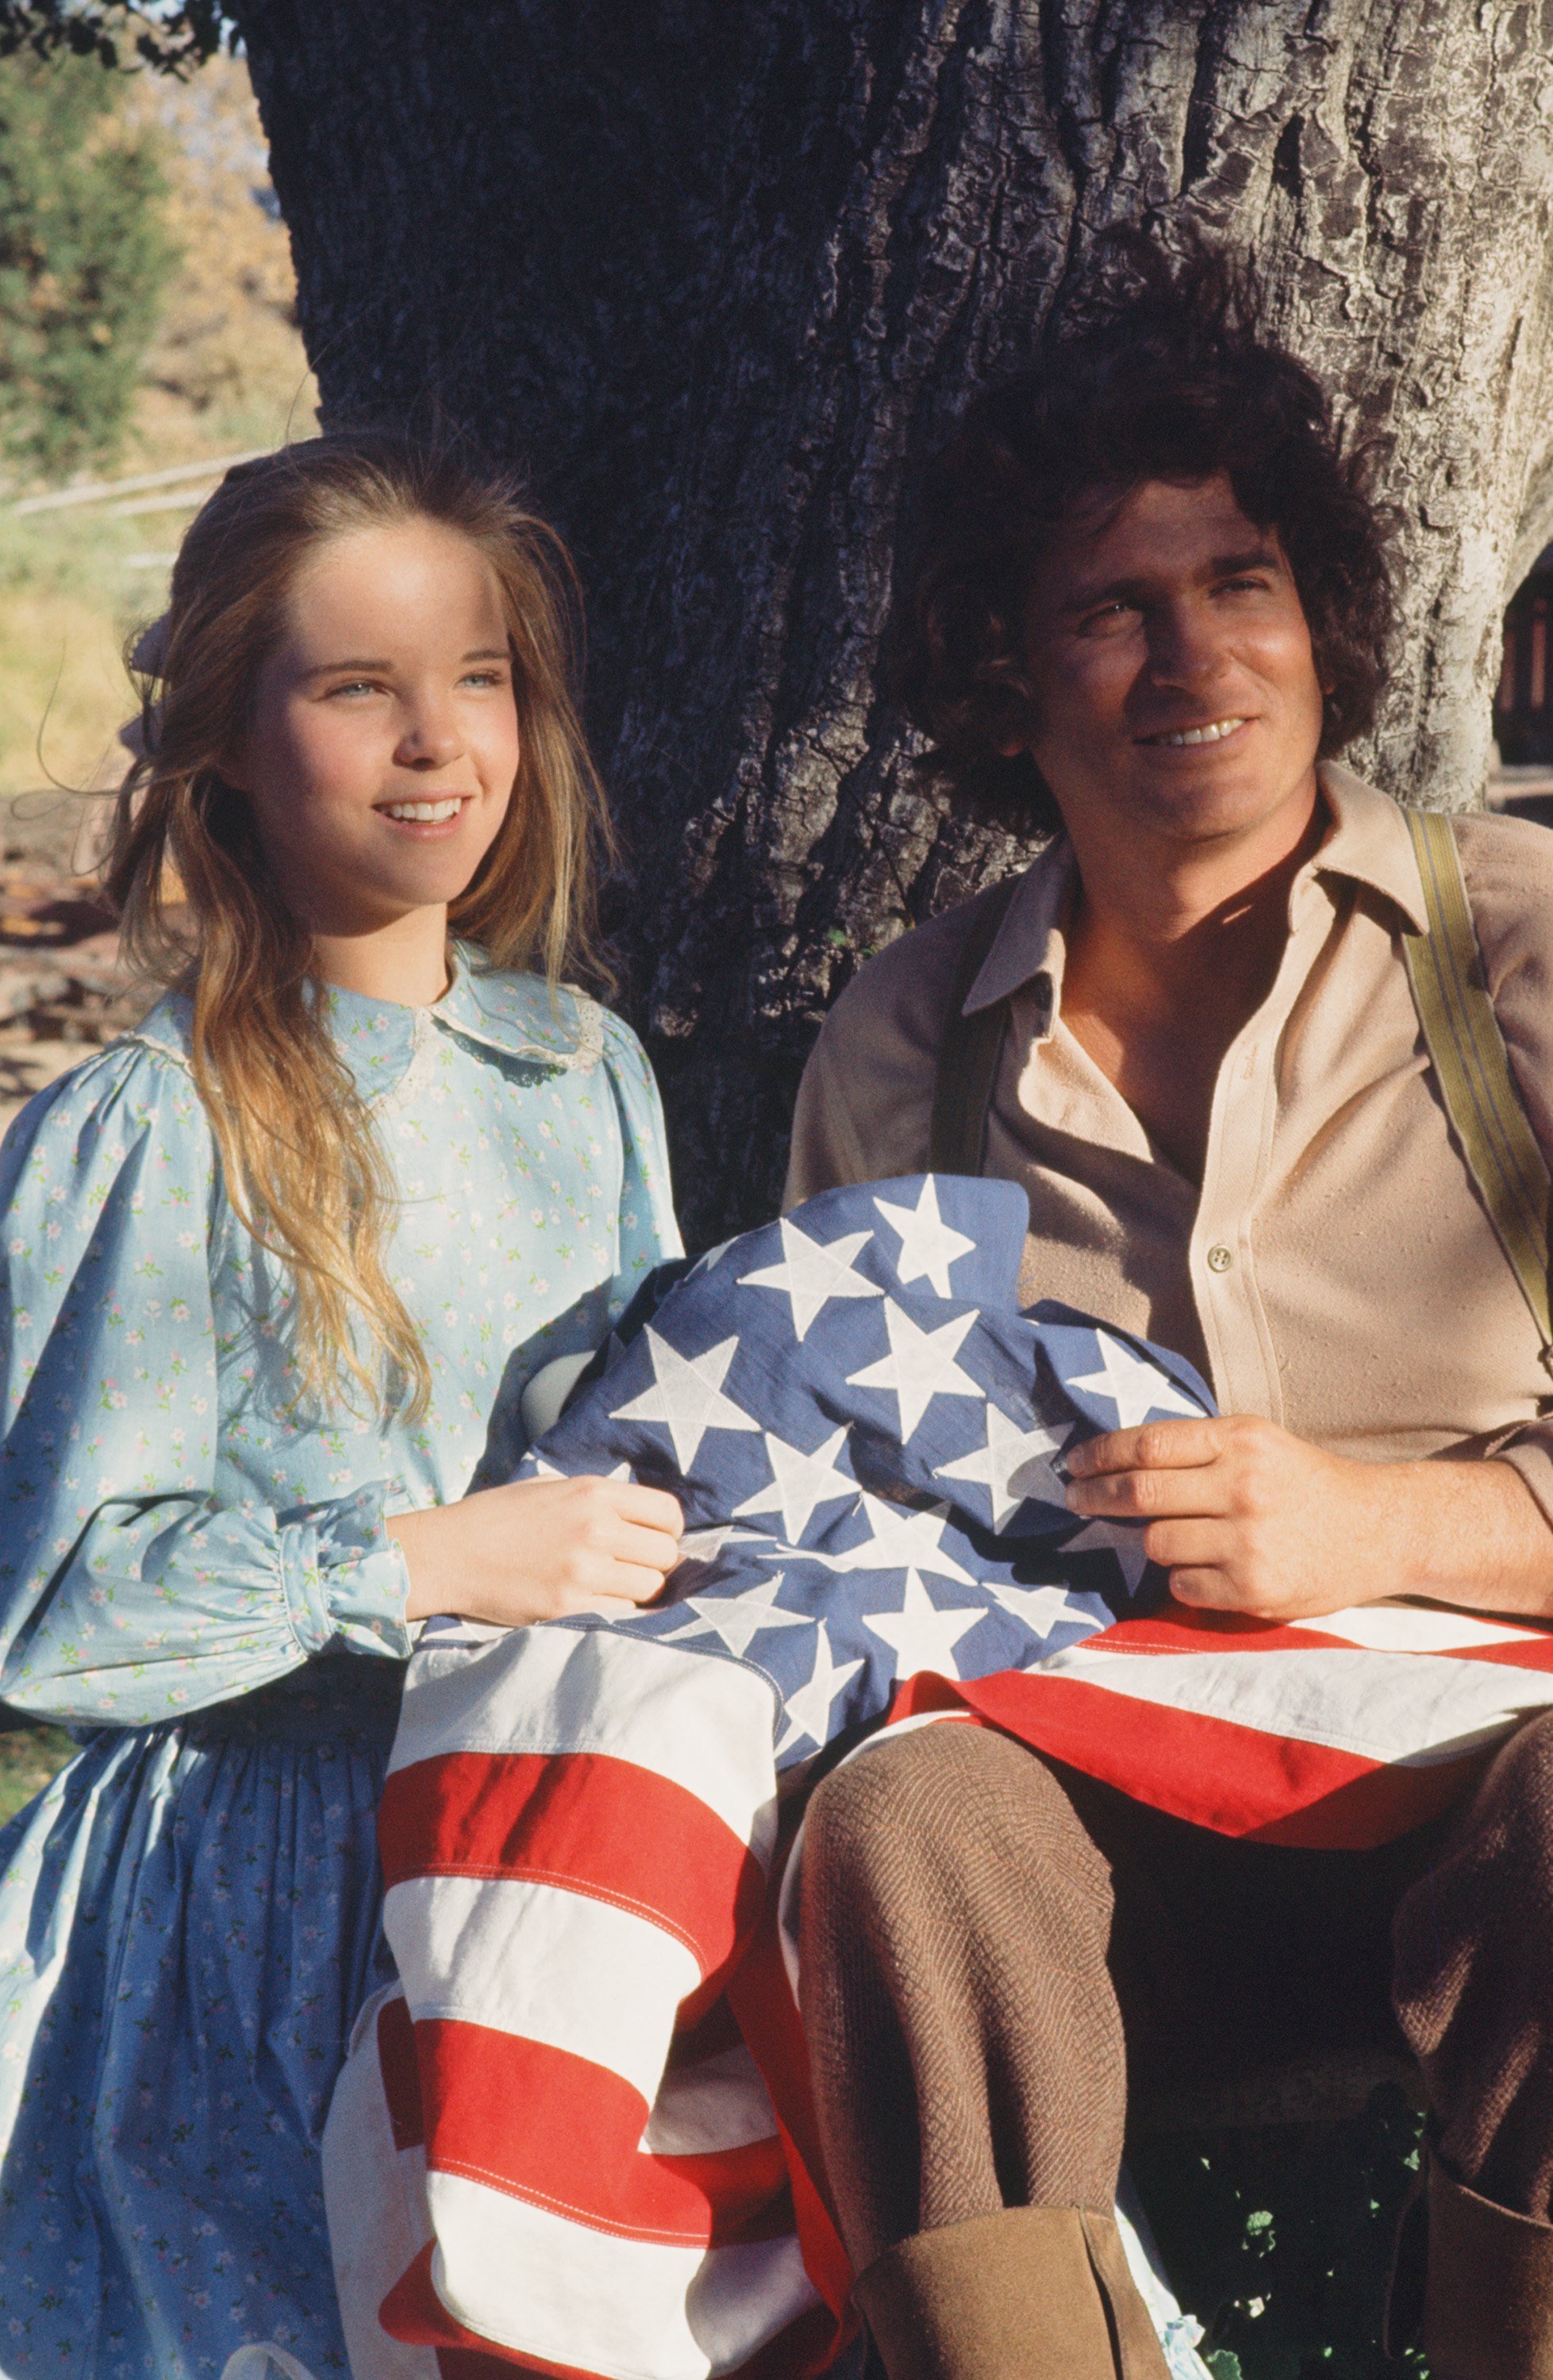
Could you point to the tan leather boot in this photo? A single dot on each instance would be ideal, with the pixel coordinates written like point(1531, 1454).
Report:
point(1488, 2288)
point(1032, 2293)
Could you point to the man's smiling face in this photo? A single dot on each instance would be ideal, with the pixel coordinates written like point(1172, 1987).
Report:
point(1176, 692)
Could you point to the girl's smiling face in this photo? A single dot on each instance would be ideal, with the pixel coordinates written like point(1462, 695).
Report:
point(382, 746)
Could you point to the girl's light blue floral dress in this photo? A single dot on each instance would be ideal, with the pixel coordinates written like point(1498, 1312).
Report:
point(200, 1585)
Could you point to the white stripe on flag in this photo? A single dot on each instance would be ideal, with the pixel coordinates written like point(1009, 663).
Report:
point(704, 1723)
point(1407, 1709)
point(543, 1963)
point(720, 2102)
point(374, 2197)
point(625, 2309)
point(1416, 1627)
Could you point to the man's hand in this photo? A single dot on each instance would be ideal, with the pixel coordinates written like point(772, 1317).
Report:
point(1246, 1517)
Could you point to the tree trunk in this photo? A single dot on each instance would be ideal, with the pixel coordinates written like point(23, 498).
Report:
point(722, 274)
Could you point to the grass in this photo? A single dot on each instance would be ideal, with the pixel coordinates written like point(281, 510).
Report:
point(65, 605)
point(29, 1758)
point(74, 586)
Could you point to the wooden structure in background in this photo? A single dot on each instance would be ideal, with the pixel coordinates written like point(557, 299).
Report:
point(1524, 705)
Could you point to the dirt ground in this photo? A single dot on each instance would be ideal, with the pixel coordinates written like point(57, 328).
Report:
point(63, 991)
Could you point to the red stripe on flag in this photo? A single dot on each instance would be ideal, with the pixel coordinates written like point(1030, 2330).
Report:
point(760, 1997)
point(1529, 1648)
point(585, 1821)
point(413, 2313)
point(546, 2126)
point(806, 2347)
point(704, 2033)
point(1536, 1656)
point(1238, 1780)
point(492, 2364)
point(401, 2075)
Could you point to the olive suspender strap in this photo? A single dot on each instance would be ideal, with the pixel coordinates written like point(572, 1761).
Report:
point(968, 1050)
point(1471, 1066)
point(1461, 1033)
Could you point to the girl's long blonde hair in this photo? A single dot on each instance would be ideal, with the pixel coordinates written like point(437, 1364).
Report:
point(304, 1169)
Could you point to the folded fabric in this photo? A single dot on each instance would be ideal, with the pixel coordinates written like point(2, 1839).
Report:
point(596, 2063)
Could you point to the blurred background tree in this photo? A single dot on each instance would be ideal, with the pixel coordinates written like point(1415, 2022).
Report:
point(85, 258)
point(116, 32)
point(140, 201)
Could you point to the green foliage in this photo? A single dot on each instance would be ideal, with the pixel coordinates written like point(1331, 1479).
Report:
point(84, 257)
point(29, 1758)
point(115, 32)
point(1280, 2240)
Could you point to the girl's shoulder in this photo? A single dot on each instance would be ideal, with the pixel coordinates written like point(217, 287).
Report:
point(137, 1085)
point(558, 1026)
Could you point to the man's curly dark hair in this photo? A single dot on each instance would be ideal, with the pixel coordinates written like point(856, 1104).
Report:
point(1153, 370)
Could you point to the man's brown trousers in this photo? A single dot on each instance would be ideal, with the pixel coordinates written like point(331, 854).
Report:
point(991, 1944)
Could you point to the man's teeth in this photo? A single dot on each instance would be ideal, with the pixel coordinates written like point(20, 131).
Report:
point(1213, 733)
point(425, 813)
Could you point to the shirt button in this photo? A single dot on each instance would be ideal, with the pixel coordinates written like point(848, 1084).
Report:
point(1219, 1259)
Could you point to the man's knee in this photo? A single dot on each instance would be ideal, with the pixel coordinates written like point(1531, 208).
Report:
point(1516, 1796)
point(939, 1805)
point(1473, 1936)
point(1505, 1832)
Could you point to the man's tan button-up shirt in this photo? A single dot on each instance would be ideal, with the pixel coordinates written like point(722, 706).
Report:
point(1336, 1270)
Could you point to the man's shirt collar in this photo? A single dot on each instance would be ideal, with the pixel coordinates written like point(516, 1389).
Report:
point(1366, 843)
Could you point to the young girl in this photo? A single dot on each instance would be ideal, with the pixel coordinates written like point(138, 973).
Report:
point(273, 1262)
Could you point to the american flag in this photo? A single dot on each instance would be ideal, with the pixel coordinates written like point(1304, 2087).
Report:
point(590, 2085)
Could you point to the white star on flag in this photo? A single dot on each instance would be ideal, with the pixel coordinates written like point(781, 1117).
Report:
point(798, 1483)
point(898, 1539)
point(1119, 1537)
point(1136, 1388)
point(1011, 1466)
point(737, 1619)
point(920, 1365)
point(928, 1247)
point(809, 1709)
point(1039, 1608)
point(812, 1272)
point(920, 1636)
point(687, 1396)
point(706, 1545)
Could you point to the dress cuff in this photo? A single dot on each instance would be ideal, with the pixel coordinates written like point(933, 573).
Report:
point(345, 1576)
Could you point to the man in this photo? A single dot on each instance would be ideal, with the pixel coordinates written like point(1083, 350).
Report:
point(1152, 607)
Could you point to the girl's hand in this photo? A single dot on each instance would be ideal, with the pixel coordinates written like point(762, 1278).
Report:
point(540, 1548)
point(1246, 1517)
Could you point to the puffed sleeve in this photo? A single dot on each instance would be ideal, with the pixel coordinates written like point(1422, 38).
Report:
point(648, 1232)
point(129, 1591)
point(644, 1234)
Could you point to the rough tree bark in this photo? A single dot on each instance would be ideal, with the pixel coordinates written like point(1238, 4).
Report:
point(721, 274)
